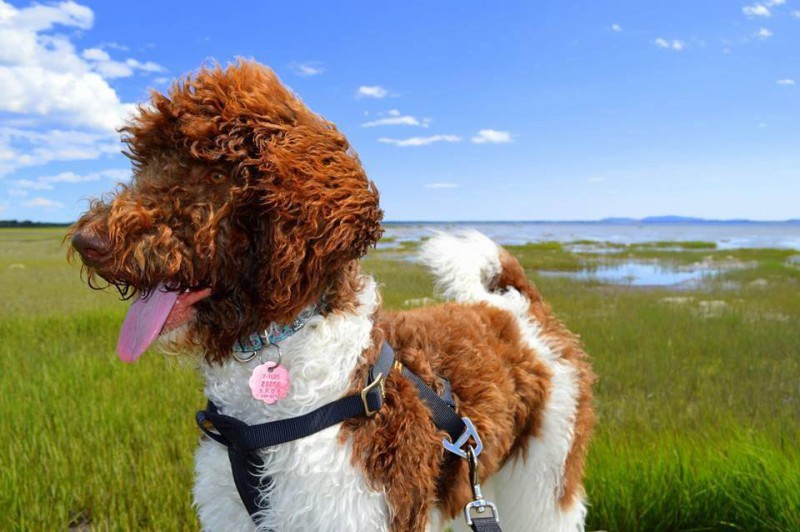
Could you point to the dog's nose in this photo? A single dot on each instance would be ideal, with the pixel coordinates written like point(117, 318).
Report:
point(92, 248)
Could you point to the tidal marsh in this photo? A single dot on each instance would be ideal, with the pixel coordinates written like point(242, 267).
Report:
point(698, 394)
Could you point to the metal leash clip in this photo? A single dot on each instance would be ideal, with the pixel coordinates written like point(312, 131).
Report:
point(457, 447)
point(479, 505)
point(475, 511)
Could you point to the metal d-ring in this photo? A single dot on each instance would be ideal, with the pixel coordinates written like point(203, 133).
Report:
point(244, 357)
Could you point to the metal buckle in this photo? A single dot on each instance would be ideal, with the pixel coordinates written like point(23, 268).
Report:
point(365, 392)
point(480, 506)
point(457, 446)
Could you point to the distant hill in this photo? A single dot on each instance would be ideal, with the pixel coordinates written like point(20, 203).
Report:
point(670, 219)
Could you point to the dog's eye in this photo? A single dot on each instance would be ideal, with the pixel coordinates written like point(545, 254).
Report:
point(217, 177)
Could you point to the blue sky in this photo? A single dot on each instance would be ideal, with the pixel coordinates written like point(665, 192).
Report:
point(459, 110)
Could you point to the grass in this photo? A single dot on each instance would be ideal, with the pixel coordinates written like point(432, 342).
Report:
point(682, 245)
point(698, 397)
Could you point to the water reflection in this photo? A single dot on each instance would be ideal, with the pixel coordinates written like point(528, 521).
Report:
point(634, 273)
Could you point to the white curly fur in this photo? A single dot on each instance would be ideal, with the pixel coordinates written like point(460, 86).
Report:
point(315, 486)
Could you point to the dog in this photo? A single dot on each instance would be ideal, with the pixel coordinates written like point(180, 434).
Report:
point(247, 212)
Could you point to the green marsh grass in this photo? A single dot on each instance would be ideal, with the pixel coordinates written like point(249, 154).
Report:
point(698, 394)
point(680, 244)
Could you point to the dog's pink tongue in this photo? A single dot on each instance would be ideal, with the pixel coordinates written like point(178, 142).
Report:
point(143, 323)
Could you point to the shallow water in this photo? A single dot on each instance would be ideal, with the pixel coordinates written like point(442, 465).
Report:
point(726, 236)
point(632, 273)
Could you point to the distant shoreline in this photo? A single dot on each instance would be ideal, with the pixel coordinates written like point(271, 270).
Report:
point(606, 221)
point(16, 224)
point(653, 220)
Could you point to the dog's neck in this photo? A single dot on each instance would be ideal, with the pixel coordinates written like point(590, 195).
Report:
point(320, 359)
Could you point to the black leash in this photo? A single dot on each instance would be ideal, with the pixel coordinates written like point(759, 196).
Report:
point(243, 441)
point(486, 524)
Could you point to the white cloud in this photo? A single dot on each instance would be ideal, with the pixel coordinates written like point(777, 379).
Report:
point(756, 10)
point(771, 3)
point(420, 141)
point(371, 91)
point(3, 207)
point(43, 202)
point(395, 118)
point(616, 27)
point(763, 34)
point(394, 121)
point(796, 13)
point(785, 82)
point(115, 46)
point(101, 62)
point(77, 99)
point(491, 136)
point(41, 17)
point(17, 192)
point(22, 147)
point(43, 75)
point(307, 69)
point(667, 44)
point(33, 185)
point(96, 54)
point(58, 103)
point(46, 182)
point(118, 174)
point(441, 185)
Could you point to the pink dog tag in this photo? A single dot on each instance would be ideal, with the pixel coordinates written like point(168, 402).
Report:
point(269, 382)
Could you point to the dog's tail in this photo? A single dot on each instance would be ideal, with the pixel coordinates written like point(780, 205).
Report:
point(469, 268)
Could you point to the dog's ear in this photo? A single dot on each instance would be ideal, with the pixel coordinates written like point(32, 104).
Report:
point(319, 211)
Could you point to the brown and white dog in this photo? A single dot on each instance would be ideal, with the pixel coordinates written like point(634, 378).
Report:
point(246, 208)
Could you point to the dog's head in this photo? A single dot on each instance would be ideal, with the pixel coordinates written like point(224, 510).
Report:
point(243, 207)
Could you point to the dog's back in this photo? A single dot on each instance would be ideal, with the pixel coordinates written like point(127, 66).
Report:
point(515, 371)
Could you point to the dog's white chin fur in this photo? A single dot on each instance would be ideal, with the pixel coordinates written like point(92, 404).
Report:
point(175, 345)
point(315, 485)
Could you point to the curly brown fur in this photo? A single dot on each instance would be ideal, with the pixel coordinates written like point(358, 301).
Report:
point(239, 187)
point(497, 380)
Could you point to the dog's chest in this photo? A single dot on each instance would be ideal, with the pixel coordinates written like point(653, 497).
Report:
point(314, 484)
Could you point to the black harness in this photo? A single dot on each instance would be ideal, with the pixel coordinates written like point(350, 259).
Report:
point(243, 441)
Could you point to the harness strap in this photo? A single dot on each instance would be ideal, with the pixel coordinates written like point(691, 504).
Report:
point(243, 440)
point(247, 438)
point(442, 408)
point(242, 437)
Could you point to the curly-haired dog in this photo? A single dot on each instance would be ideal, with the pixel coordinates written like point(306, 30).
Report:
point(247, 210)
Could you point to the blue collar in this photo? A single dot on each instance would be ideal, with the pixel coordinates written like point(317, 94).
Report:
point(273, 334)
